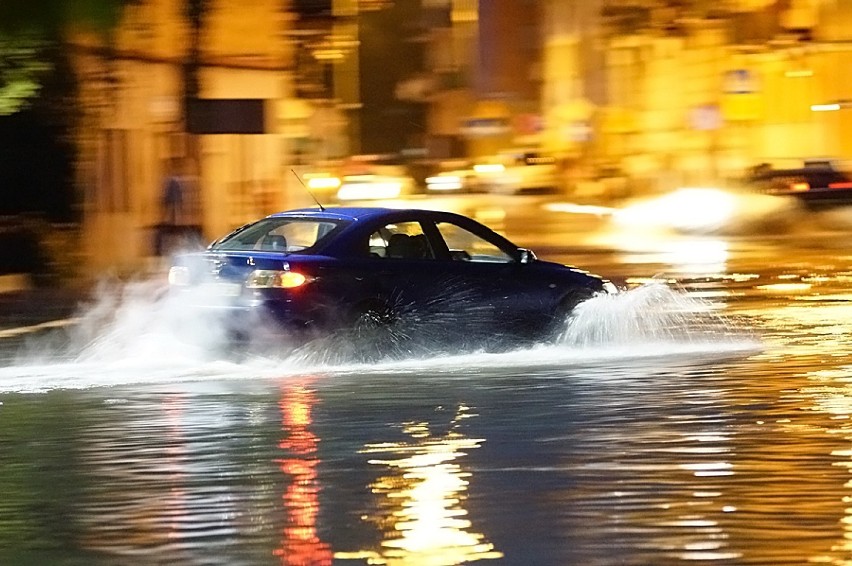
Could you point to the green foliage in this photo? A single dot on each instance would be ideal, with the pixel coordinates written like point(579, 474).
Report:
point(53, 16)
point(22, 67)
point(28, 29)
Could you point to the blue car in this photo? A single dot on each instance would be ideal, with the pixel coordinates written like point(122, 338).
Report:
point(437, 279)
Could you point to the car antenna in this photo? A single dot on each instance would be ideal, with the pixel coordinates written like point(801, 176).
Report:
point(321, 207)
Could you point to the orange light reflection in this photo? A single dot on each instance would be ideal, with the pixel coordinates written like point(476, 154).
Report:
point(300, 543)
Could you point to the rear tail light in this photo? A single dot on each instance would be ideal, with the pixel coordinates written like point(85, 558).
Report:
point(275, 279)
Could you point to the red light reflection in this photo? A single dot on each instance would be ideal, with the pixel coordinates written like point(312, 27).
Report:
point(300, 544)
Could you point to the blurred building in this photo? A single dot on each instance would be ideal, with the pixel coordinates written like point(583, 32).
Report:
point(514, 74)
point(663, 92)
point(196, 113)
point(697, 92)
point(487, 63)
point(147, 179)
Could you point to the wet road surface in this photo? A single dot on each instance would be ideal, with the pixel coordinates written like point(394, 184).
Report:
point(700, 417)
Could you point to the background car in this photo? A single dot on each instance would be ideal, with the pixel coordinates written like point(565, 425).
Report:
point(818, 183)
point(455, 176)
point(526, 172)
point(375, 177)
point(431, 278)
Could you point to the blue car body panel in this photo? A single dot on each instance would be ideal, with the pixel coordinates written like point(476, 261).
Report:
point(469, 297)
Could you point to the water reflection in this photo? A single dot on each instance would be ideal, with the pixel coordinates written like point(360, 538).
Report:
point(810, 326)
point(421, 511)
point(138, 500)
point(300, 543)
point(817, 322)
point(668, 483)
point(831, 391)
point(692, 256)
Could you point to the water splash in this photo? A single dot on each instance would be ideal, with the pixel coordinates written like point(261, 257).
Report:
point(651, 314)
point(137, 334)
point(700, 210)
point(140, 322)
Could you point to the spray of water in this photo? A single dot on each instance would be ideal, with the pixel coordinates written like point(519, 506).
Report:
point(650, 315)
point(138, 333)
point(140, 322)
point(712, 211)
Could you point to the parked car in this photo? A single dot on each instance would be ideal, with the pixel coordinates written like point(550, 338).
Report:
point(453, 176)
point(387, 185)
point(427, 277)
point(375, 177)
point(527, 172)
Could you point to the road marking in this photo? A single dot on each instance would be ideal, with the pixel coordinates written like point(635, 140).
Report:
point(22, 330)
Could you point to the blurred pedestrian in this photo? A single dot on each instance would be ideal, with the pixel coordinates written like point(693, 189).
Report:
point(174, 188)
point(171, 202)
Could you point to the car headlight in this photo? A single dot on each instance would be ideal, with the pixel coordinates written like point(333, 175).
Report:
point(610, 288)
point(179, 275)
point(275, 279)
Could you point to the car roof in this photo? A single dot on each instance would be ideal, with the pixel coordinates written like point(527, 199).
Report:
point(355, 213)
point(366, 218)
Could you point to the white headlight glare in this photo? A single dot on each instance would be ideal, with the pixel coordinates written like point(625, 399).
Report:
point(179, 275)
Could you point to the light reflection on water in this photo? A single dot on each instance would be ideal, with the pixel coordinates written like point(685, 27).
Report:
point(693, 446)
point(300, 542)
point(422, 512)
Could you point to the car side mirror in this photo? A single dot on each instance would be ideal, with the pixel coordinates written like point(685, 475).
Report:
point(525, 256)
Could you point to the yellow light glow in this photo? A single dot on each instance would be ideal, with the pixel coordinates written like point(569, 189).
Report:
point(699, 255)
point(323, 182)
point(423, 493)
point(785, 287)
point(701, 209)
point(444, 183)
point(825, 107)
point(267, 279)
point(329, 54)
point(489, 168)
point(572, 208)
point(371, 190)
point(648, 281)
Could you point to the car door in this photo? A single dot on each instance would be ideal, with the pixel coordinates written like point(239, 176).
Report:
point(403, 264)
point(513, 298)
point(446, 283)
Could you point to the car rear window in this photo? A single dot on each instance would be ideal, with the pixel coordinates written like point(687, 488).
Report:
point(289, 235)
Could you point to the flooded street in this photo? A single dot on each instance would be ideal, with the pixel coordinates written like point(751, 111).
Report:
point(702, 416)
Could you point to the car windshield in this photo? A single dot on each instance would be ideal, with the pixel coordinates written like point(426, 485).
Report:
point(288, 235)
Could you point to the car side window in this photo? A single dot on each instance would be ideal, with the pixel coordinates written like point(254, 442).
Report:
point(402, 240)
point(464, 245)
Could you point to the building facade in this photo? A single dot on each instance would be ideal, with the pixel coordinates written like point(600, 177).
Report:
point(698, 94)
point(666, 93)
point(661, 92)
point(153, 174)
